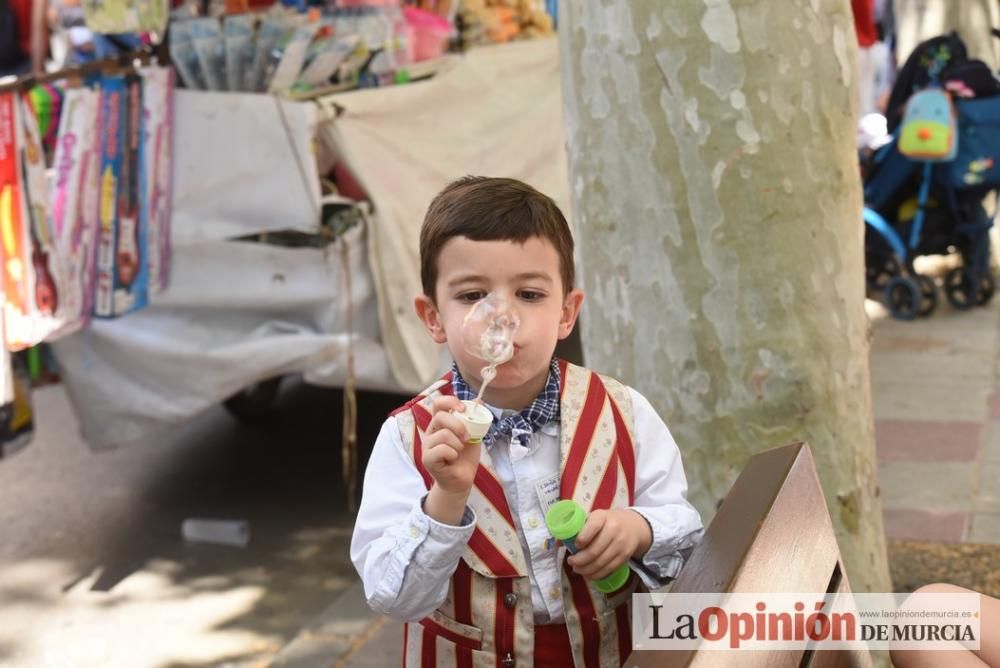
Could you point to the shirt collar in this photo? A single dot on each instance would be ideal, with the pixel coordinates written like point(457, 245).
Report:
point(543, 410)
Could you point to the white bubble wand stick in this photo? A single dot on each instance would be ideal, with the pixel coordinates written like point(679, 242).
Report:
point(487, 333)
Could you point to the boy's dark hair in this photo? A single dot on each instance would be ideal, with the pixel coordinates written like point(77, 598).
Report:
point(492, 209)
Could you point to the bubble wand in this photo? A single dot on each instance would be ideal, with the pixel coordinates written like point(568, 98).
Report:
point(488, 334)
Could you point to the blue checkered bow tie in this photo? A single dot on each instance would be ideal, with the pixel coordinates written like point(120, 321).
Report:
point(519, 426)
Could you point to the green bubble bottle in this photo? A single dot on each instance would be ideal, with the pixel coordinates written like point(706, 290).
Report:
point(565, 520)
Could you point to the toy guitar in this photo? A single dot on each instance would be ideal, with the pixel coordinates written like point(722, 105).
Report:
point(127, 254)
point(46, 299)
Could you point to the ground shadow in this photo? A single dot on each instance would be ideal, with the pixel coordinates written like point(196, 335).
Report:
point(281, 474)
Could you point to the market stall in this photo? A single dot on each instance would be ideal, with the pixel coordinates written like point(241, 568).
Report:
point(237, 312)
point(293, 231)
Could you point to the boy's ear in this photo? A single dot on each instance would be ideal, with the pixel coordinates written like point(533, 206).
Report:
point(570, 311)
point(429, 315)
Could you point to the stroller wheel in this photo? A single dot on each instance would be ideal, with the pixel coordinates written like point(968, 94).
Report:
point(959, 290)
point(928, 293)
point(987, 289)
point(879, 273)
point(903, 297)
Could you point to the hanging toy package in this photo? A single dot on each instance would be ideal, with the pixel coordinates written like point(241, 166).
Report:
point(45, 102)
point(206, 36)
point(14, 245)
point(270, 31)
point(156, 161)
point(45, 261)
point(131, 276)
point(32, 272)
point(293, 58)
point(239, 32)
point(74, 204)
point(184, 56)
point(111, 111)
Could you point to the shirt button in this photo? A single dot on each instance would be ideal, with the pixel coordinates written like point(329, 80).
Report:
point(510, 600)
point(533, 522)
point(414, 532)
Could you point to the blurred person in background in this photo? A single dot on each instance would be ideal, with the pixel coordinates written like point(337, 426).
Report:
point(22, 37)
point(67, 18)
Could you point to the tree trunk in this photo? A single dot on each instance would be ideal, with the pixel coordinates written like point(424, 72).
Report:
point(717, 202)
point(917, 20)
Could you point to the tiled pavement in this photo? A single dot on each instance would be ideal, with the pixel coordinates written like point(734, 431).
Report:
point(936, 397)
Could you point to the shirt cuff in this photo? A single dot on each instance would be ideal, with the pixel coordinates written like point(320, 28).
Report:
point(667, 553)
point(438, 544)
point(423, 557)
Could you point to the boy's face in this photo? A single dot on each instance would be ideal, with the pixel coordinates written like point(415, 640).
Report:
point(528, 277)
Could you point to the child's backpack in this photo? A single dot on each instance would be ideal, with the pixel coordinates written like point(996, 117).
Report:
point(10, 47)
point(922, 68)
point(972, 78)
point(929, 129)
point(977, 165)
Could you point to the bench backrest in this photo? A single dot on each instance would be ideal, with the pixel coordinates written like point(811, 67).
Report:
point(772, 534)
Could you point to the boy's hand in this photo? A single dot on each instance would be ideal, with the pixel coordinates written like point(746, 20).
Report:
point(608, 540)
point(447, 457)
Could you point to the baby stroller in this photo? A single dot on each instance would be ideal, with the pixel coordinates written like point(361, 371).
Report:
point(915, 207)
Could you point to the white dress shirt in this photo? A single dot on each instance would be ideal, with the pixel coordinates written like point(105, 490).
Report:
point(406, 559)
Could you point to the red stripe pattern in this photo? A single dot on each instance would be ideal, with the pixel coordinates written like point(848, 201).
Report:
point(491, 488)
point(505, 620)
point(461, 586)
point(418, 457)
point(406, 643)
point(609, 485)
point(491, 556)
point(626, 451)
point(461, 641)
point(624, 633)
point(586, 426)
point(584, 605)
point(563, 368)
point(428, 649)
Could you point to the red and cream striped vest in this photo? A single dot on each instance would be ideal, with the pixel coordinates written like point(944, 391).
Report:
point(487, 617)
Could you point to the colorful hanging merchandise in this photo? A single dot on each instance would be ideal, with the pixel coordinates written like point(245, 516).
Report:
point(122, 258)
point(94, 242)
point(121, 16)
point(156, 165)
point(74, 204)
point(135, 149)
point(32, 276)
point(45, 102)
point(16, 415)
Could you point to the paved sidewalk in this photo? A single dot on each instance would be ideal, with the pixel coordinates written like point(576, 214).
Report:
point(936, 396)
point(345, 634)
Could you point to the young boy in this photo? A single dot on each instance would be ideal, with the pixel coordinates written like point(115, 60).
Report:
point(451, 536)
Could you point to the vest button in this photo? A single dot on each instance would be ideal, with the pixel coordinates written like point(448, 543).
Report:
point(510, 601)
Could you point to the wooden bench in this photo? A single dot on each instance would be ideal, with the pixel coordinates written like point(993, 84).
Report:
point(772, 534)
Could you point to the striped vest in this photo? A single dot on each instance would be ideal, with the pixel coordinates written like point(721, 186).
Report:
point(487, 618)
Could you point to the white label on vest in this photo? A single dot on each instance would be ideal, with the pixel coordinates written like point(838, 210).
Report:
point(548, 491)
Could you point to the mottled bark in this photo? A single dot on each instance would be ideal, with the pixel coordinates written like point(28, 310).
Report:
point(917, 20)
point(717, 202)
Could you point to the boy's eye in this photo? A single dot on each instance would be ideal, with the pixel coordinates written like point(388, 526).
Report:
point(530, 295)
point(472, 297)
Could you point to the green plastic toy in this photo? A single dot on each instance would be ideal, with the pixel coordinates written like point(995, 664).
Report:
point(565, 520)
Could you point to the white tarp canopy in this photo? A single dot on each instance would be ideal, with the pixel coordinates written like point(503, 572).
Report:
point(496, 112)
point(237, 312)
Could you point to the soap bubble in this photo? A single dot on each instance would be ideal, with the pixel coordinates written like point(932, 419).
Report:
point(488, 330)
